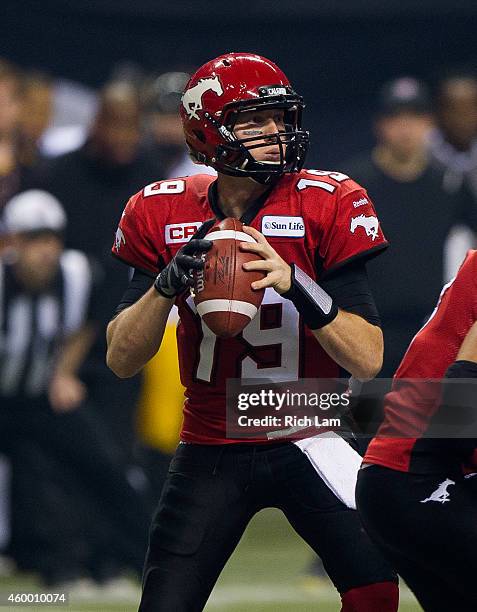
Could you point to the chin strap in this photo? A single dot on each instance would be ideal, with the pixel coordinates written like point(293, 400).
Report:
point(313, 303)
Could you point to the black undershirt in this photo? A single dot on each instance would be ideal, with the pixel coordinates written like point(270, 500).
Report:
point(348, 287)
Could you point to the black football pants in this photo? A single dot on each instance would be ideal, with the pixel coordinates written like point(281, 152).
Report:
point(427, 528)
point(210, 495)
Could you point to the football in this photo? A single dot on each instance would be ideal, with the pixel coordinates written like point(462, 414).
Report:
point(222, 290)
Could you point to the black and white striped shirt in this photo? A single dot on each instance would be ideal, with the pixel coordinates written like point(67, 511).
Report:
point(33, 326)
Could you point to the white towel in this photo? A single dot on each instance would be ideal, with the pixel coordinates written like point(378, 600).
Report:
point(336, 463)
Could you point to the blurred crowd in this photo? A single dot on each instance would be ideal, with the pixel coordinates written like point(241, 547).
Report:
point(79, 480)
point(84, 453)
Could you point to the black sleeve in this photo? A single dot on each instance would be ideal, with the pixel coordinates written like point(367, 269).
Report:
point(348, 286)
point(453, 427)
point(138, 285)
point(350, 290)
point(460, 395)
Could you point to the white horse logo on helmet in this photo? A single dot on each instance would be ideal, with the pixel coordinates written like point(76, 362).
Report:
point(370, 225)
point(192, 98)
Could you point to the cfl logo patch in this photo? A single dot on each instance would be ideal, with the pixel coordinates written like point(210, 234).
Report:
point(181, 232)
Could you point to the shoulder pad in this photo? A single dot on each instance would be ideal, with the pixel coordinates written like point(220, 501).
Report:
point(196, 185)
point(329, 181)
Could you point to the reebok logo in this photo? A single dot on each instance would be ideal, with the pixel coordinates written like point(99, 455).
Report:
point(360, 202)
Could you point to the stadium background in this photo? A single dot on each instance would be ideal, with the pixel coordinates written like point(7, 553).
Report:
point(337, 56)
point(338, 53)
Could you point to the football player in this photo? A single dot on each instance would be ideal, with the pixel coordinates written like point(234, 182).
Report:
point(417, 491)
point(314, 231)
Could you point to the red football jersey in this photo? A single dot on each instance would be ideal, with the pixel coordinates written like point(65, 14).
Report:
point(313, 218)
point(409, 406)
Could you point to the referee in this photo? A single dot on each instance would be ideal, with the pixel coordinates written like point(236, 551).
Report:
point(46, 329)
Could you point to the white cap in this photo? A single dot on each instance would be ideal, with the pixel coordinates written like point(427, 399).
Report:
point(33, 210)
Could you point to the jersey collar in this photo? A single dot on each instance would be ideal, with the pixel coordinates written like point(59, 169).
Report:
point(248, 216)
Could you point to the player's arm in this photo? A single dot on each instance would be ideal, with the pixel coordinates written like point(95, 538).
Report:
point(66, 391)
point(455, 418)
point(353, 342)
point(459, 388)
point(135, 335)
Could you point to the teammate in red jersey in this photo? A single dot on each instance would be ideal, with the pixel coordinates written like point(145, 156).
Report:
point(242, 117)
point(413, 495)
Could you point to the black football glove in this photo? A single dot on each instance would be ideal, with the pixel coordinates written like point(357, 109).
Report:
point(177, 275)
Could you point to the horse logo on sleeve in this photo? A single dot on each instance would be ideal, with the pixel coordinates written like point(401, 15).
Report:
point(370, 225)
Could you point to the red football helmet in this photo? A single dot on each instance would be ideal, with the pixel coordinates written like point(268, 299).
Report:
point(212, 101)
